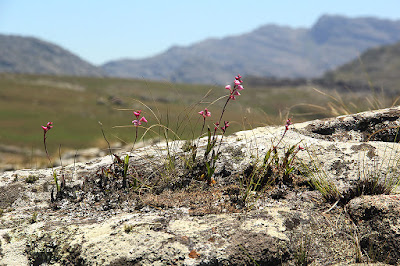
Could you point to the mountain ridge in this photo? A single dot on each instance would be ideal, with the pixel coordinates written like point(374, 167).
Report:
point(30, 55)
point(270, 50)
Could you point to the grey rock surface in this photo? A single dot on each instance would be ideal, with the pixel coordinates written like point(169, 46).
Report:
point(189, 222)
point(377, 218)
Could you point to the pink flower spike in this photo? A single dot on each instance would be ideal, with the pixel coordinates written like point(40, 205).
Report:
point(143, 119)
point(47, 127)
point(205, 113)
point(288, 123)
point(137, 113)
point(225, 126)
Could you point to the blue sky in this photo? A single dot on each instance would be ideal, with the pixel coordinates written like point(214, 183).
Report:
point(103, 30)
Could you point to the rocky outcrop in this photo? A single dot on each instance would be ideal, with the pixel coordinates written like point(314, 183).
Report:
point(377, 220)
point(338, 205)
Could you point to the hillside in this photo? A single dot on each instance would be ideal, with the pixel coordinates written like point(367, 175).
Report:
point(30, 55)
point(267, 51)
point(379, 66)
point(76, 104)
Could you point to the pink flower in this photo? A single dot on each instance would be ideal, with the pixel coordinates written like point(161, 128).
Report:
point(301, 148)
point(137, 113)
point(288, 123)
point(237, 87)
point(137, 121)
point(205, 113)
point(216, 126)
point(226, 125)
point(47, 127)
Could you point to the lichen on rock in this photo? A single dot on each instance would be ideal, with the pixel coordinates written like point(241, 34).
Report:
point(174, 217)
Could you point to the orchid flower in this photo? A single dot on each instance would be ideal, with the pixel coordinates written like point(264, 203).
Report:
point(288, 123)
point(137, 113)
point(47, 127)
point(226, 125)
point(205, 113)
point(236, 87)
point(137, 121)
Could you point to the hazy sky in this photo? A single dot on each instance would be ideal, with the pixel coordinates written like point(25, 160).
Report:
point(103, 30)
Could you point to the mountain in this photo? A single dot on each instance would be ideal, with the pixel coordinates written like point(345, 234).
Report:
point(379, 67)
point(30, 55)
point(270, 50)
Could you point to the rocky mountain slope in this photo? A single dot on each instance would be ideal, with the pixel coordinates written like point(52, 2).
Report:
point(349, 214)
point(33, 56)
point(267, 51)
point(378, 66)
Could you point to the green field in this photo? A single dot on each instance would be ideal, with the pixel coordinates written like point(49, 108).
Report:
point(76, 104)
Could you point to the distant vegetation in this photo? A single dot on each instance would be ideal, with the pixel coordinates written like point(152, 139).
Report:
point(76, 104)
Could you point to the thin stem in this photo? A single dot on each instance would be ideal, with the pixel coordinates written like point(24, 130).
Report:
point(136, 135)
point(45, 148)
point(48, 157)
point(223, 110)
point(284, 133)
point(104, 136)
point(202, 128)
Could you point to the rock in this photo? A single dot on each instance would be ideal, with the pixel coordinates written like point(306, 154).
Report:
point(166, 212)
point(82, 155)
point(377, 220)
